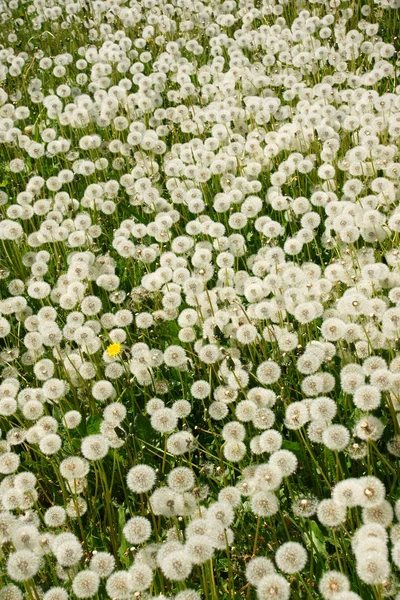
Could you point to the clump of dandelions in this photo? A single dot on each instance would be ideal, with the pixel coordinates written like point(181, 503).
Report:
point(200, 298)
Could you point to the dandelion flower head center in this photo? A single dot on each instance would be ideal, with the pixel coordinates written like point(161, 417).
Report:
point(114, 349)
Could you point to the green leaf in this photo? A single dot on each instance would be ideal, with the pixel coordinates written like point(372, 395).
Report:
point(288, 445)
point(93, 424)
point(318, 539)
point(123, 543)
point(143, 428)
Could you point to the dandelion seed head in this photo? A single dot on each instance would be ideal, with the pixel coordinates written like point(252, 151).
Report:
point(257, 568)
point(102, 563)
point(56, 593)
point(291, 557)
point(141, 478)
point(22, 565)
point(85, 584)
point(273, 586)
point(11, 592)
point(333, 583)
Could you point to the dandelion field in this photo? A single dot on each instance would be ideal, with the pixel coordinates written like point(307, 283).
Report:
point(199, 300)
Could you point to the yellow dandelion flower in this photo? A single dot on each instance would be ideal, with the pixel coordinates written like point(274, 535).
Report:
point(114, 349)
